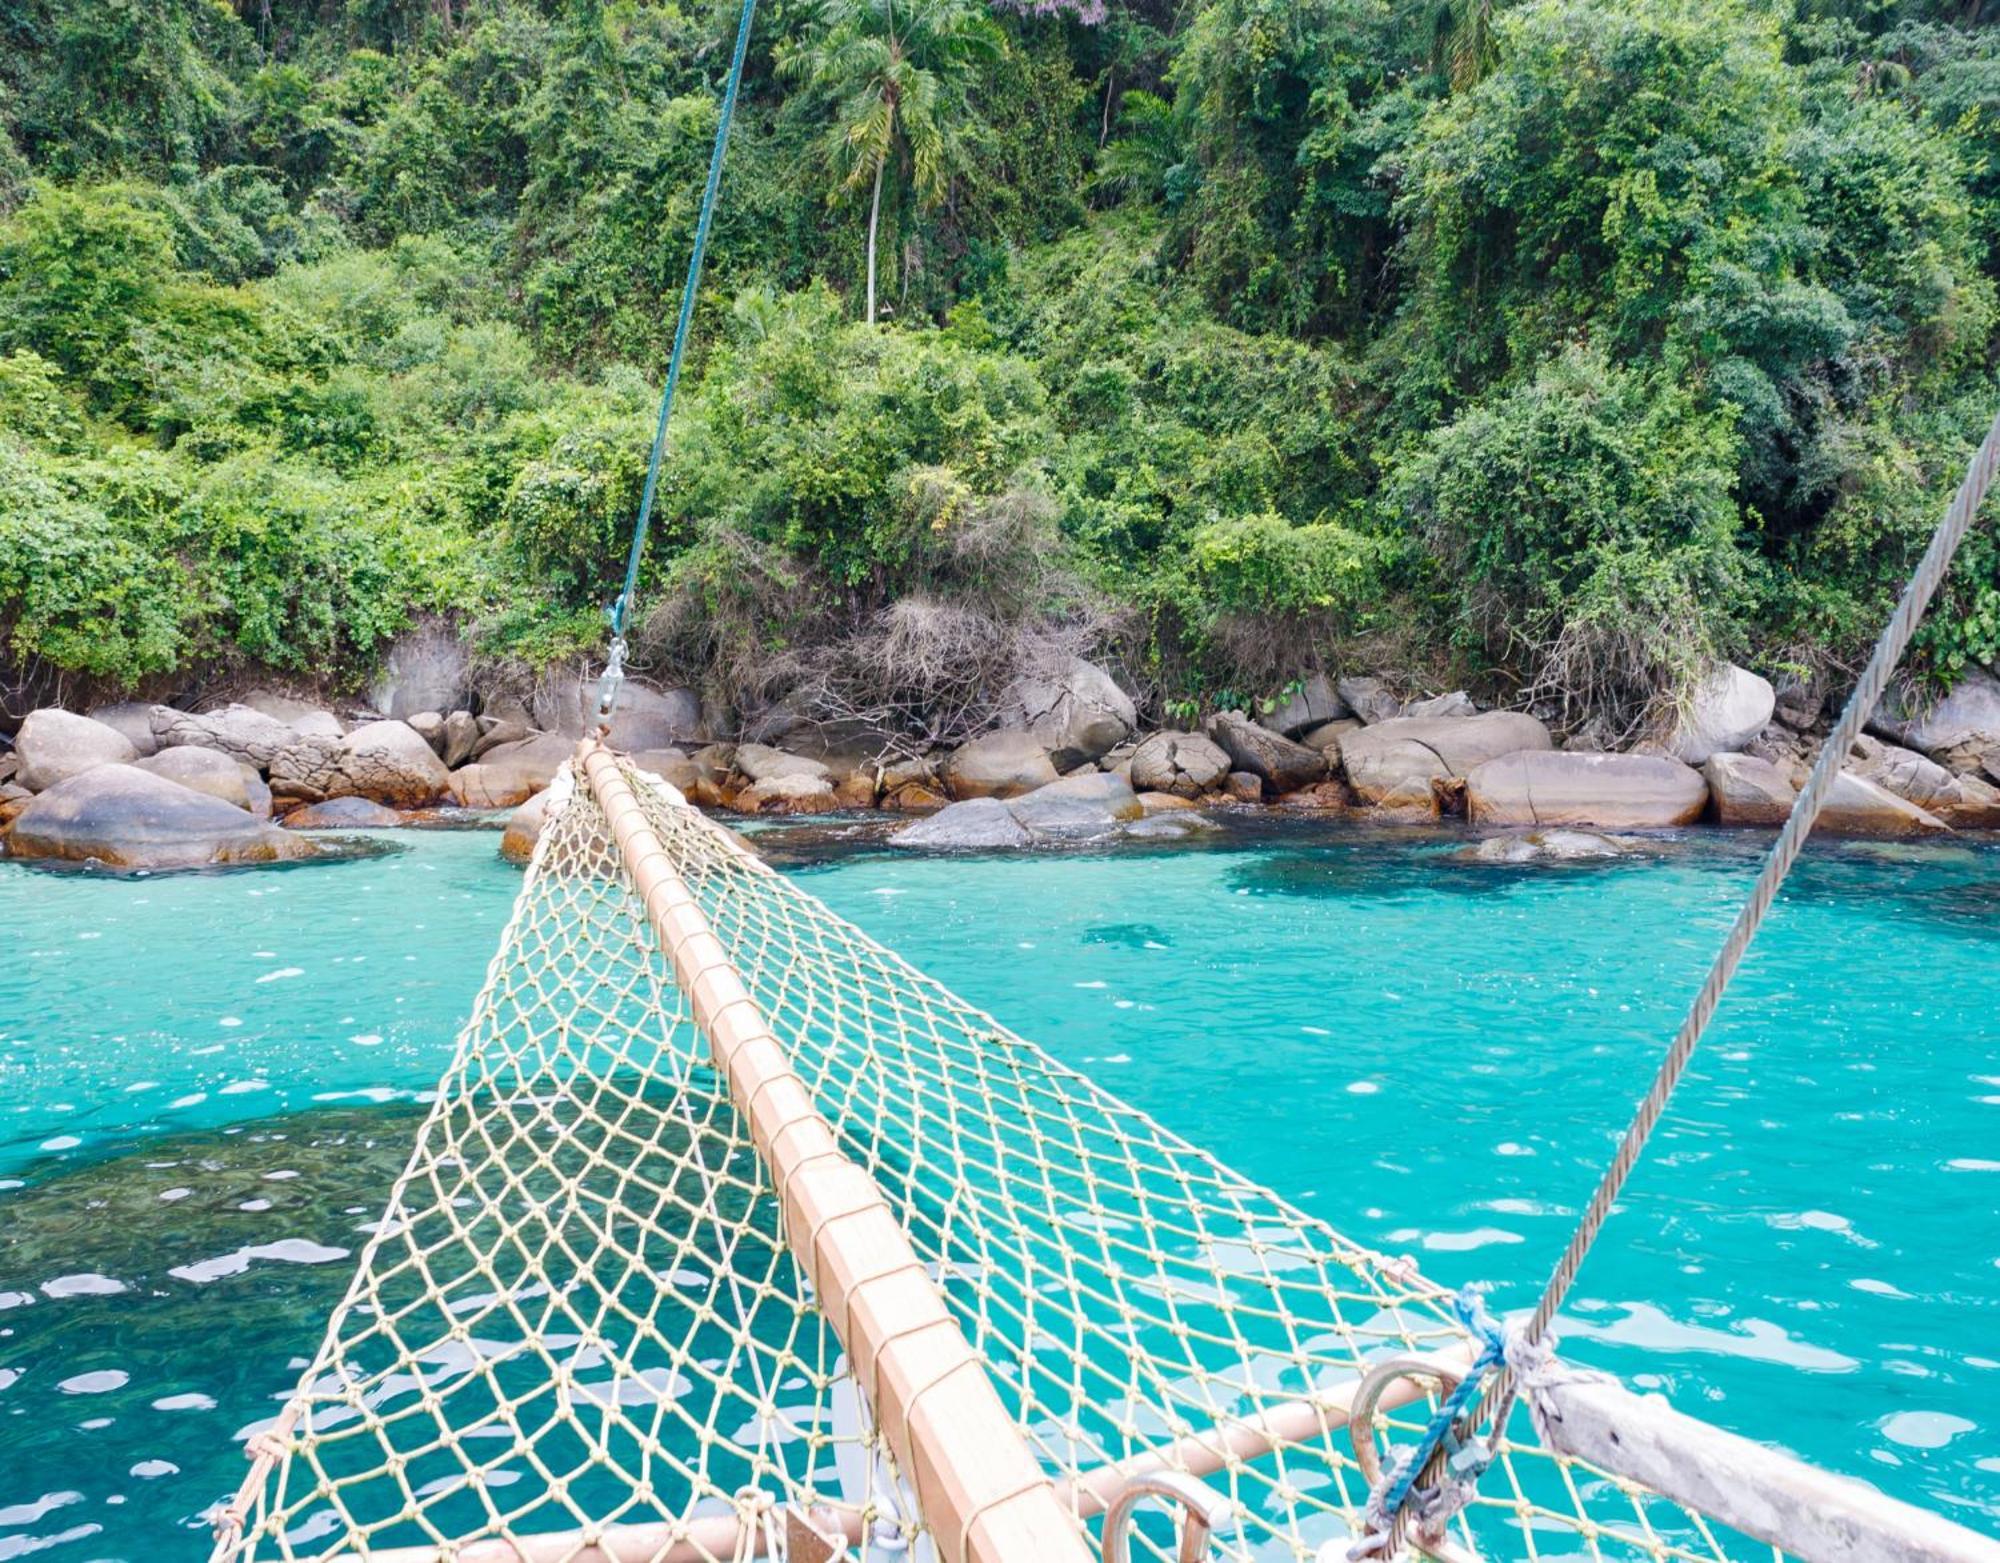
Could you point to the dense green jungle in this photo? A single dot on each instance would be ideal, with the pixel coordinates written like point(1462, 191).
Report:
point(1558, 348)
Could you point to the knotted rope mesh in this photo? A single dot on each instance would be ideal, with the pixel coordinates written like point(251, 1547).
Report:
point(579, 1326)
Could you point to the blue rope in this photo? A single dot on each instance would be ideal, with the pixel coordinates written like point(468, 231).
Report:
point(623, 605)
point(1470, 1305)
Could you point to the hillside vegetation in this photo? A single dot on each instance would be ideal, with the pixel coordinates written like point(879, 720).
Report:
point(1560, 346)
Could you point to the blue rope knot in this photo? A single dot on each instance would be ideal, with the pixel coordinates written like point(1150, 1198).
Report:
point(1468, 1460)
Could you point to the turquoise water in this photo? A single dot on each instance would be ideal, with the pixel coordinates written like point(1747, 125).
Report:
point(207, 1082)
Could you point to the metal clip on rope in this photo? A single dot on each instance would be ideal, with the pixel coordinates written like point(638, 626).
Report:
point(1206, 1509)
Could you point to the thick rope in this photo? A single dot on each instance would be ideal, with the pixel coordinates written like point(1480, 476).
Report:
point(1889, 649)
point(614, 671)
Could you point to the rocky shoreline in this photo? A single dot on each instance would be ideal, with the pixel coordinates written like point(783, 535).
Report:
point(149, 787)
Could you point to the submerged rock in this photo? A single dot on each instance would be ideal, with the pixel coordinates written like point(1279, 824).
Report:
point(129, 818)
point(972, 824)
point(1546, 846)
point(344, 814)
point(54, 745)
point(1573, 787)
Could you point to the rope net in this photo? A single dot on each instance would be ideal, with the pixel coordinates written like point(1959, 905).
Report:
point(578, 1324)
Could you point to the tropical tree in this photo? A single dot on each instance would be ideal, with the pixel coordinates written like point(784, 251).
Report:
point(897, 78)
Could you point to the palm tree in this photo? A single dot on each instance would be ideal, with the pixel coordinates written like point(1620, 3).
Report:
point(896, 74)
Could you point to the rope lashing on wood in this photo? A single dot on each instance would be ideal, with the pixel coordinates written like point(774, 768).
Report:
point(1894, 640)
point(614, 668)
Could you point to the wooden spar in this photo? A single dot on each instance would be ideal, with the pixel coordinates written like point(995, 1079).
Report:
point(1812, 1515)
point(983, 1494)
point(1087, 1496)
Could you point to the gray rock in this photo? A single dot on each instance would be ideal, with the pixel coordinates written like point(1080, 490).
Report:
point(761, 763)
point(511, 773)
point(1963, 801)
point(1087, 804)
point(205, 770)
point(1327, 735)
point(301, 716)
point(1798, 705)
point(1748, 790)
point(671, 766)
point(1727, 709)
point(461, 736)
point(792, 792)
point(1243, 787)
point(1076, 713)
point(133, 718)
point(1314, 703)
point(646, 716)
point(1568, 787)
point(1546, 846)
point(1284, 765)
point(998, 765)
point(1369, 699)
point(1964, 726)
point(524, 829)
point(1858, 807)
point(343, 814)
point(493, 735)
point(128, 818)
point(387, 761)
point(1185, 764)
point(1457, 703)
point(974, 824)
point(52, 746)
point(426, 670)
point(235, 730)
point(429, 726)
point(1394, 762)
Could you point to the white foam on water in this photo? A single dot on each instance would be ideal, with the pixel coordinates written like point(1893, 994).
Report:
point(194, 1099)
point(282, 973)
point(229, 1020)
point(288, 1250)
point(87, 1284)
point(170, 1195)
point(1923, 1429)
point(1362, 1087)
point(245, 1087)
point(147, 1470)
point(367, 1039)
point(193, 1400)
point(1877, 1288)
point(1972, 1164)
point(62, 1142)
point(101, 1381)
point(1478, 1237)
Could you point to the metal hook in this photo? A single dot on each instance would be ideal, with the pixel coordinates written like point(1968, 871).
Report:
point(1206, 1509)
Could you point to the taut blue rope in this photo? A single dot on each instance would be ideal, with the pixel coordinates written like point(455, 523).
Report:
point(614, 667)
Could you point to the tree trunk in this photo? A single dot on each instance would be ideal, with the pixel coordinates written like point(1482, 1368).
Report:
point(874, 223)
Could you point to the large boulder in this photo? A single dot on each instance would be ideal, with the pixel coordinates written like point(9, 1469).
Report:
point(1089, 803)
point(794, 792)
point(1574, 787)
point(524, 828)
point(54, 745)
point(238, 731)
point(205, 770)
point(671, 766)
point(1312, 703)
point(301, 716)
point(1961, 729)
point(511, 774)
point(1394, 763)
point(425, 670)
point(133, 718)
point(1369, 699)
point(461, 737)
point(1076, 713)
point(1858, 807)
point(998, 765)
point(1184, 764)
point(1283, 765)
point(1727, 709)
point(760, 763)
point(1968, 802)
point(1748, 790)
point(129, 818)
point(386, 761)
point(970, 825)
point(646, 716)
point(344, 814)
